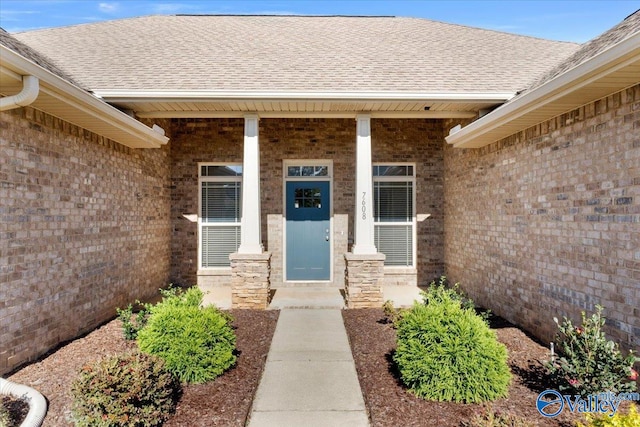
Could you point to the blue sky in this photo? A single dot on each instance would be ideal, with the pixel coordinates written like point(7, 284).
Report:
point(573, 20)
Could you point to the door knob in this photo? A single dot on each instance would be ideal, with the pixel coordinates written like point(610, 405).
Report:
point(326, 238)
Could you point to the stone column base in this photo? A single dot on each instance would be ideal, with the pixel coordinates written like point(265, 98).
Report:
point(250, 284)
point(363, 280)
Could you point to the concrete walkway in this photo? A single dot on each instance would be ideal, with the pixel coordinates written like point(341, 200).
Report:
point(310, 377)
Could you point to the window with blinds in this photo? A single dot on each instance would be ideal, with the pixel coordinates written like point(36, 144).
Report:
point(393, 211)
point(219, 219)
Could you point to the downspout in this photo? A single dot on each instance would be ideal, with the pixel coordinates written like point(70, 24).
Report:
point(36, 401)
point(28, 94)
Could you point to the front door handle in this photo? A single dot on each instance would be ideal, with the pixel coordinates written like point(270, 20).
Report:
point(326, 238)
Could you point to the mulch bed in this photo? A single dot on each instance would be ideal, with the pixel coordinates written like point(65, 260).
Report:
point(16, 408)
point(390, 404)
point(226, 401)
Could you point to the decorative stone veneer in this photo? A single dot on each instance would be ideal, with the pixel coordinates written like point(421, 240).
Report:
point(220, 140)
point(363, 280)
point(546, 223)
point(84, 228)
point(250, 285)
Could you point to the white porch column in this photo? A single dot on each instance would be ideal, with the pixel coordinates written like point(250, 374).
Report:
point(251, 239)
point(364, 231)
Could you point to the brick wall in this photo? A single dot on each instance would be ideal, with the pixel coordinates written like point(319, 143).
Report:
point(221, 140)
point(84, 228)
point(547, 222)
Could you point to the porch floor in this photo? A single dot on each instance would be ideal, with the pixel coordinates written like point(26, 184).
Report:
point(311, 297)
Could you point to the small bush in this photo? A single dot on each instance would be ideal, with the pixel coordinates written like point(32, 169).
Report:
point(491, 418)
point(197, 344)
point(590, 363)
point(441, 290)
point(448, 353)
point(132, 389)
point(133, 323)
point(5, 417)
point(632, 419)
point(391, 314)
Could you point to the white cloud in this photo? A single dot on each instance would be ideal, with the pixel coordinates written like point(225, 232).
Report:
point(162, 8)
point(15, 15)
point(108, 7)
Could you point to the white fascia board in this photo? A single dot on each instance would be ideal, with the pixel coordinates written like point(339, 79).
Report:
point(562, 85)
point(81, 99)
point(123, 95)
point(308, 114)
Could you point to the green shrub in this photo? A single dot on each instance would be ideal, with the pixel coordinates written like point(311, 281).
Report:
point(392, 315)
point(132, 389)
point(448, 353)
point(441, 291)
point(492, 418)
point(589, 363)
point(5, 417)
point(197, 344)
point(632, 419)
point(133, 323)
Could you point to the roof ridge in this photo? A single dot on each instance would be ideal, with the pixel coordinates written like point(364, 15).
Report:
point(284, 15)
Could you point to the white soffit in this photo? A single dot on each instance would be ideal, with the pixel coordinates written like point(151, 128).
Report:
point(208, 103)
point(68, 102)
point(608, 72)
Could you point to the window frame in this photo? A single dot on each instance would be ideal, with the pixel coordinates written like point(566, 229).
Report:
point(413, 223)
point(201, 223)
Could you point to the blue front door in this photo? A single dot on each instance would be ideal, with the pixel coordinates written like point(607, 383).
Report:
point(308, 237)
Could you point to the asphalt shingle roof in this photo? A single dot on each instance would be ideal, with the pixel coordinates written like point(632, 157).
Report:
point(625, 29)
point(27, 52)
point(295, 53)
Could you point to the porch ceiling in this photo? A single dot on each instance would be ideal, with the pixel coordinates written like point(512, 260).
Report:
point(149, 104)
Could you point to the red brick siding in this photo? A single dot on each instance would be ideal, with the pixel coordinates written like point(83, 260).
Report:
point(547, 222)
point(84, 228)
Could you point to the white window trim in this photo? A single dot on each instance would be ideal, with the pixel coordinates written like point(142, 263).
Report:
point(202, 179)
point(285, 178)
point(413, 222)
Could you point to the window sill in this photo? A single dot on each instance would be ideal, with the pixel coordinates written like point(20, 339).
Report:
point(218, 271)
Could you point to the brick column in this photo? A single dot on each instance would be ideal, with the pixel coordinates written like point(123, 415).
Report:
point(363, 280)
point(250, 285)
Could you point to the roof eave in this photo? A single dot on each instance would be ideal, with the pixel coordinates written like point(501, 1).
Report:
point(123, 95)
point(66, 101)
point(572, 89)
point(302, 104)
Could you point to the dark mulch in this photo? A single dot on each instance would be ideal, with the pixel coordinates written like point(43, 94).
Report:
point(17, 409)
point(226, 401)
point(390, 404)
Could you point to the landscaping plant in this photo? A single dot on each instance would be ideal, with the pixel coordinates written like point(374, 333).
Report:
point(133, 323)
point(392, 314)
point(493, 418)
point(446, 352)
point(588, 362)
point(197, 343)
point(631, 419)
point(441, 290)
point(132, 389)
point(4, 415)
